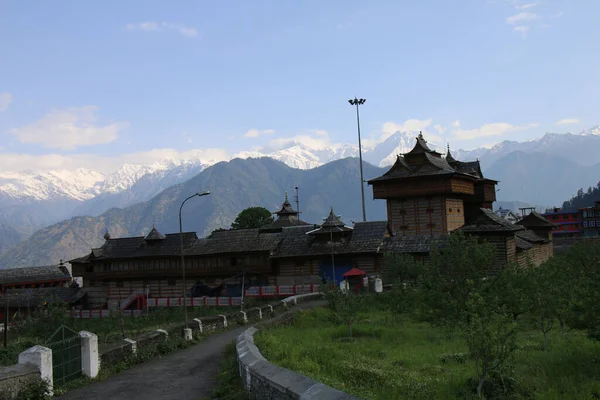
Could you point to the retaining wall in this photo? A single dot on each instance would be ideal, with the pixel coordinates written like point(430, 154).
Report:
point(264, 380)
point(15, 377)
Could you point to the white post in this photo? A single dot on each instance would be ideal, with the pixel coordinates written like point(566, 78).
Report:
point(187, 334)
point(366, 283)
point(259, 312)
point(133, 345)
point(199, 322)
point(40, 357)
point(89, 354)
point(224, 320)
point(244, 316)
point(271, 308)
point(378, 285)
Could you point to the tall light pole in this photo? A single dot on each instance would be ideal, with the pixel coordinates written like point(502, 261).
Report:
point(183, 261)
point(357, 102)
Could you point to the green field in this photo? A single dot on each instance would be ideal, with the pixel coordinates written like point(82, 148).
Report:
point(394, 357)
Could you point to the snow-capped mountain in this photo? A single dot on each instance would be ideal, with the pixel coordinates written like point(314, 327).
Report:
point(78, 185)
point(298, 155)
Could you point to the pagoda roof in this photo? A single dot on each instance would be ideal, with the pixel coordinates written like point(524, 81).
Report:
point(421, 161)
point(331, 224)
point(286, 208)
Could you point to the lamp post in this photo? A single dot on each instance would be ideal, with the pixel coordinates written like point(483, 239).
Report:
point(183, 263)
point(357, 102)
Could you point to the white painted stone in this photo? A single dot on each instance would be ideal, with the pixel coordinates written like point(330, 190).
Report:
point(90, 360)
point(378, 285)
point(259, 312)
point(344, 286)
point(224, 320)
point(270, 307)
point(133, 344)
point(163, 332)
point(187, 334)
point(199, 322)
point(41, 357)
point(244, 316)
point(284, 303)
point(295, 300)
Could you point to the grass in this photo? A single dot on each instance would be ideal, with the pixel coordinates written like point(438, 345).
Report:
point(108, 329)
point(229, 384)
point(395, 357)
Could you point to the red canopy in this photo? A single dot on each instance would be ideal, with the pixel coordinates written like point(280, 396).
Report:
point(354, 272)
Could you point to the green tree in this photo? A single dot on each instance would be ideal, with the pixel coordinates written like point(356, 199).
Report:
point(344, 305)
point(453, 272)
point(489, 332)
point(252, 217)
point(402, 272)
point(215, 230)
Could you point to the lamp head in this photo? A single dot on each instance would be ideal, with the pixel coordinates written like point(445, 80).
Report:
point(203, 193)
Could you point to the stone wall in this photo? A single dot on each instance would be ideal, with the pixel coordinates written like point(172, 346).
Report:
point(16, 377)
point(264, 380)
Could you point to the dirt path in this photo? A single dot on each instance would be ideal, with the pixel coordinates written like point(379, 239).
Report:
point(188, 374)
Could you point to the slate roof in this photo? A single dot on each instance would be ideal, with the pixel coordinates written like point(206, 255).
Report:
point(487, 221)
point(155, 235)
point(523, 244)
point(530, 236)
point(235, 241)
point(366, 237)
point(535, 219)
point(35, 297)
point(33, 274)
point(139, 247)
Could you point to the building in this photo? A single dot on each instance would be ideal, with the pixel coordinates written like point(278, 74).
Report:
point(506, 214)
point(568, 223)
point(591, 220)
point(24, 289)
point(428, 197)
point(428, 194)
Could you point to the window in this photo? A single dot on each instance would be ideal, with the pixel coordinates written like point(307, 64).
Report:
point(585, 224)
point(450, 210)
point(430, 210)
point(458, 210)
point(592, 224)
point(431, 225)
point(119, 283)
point(402, 212)
point(171, 282)
point(233, 261)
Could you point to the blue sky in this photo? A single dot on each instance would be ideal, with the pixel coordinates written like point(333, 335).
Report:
point(86, 83)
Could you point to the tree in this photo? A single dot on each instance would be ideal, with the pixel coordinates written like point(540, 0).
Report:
point(344, 305)
point(512, 288)
point(402, 272)
point(252, 217)
point(490, 335)
point(453, 273)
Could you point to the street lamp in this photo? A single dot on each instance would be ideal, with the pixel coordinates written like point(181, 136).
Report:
point(357, 102)
point(183, 265)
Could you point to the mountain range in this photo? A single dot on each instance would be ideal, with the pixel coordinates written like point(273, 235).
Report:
point(234, 186)
point(542, 172)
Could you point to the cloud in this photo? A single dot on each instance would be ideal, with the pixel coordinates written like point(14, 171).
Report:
point(150, 26)
point(567, 121)
point(557, 15)
point(486, 130)
point(525, 6)
point(456, 124)
point(5, 99)
point(439, 129)
point(252, 133)
point(522, 30)
point(14, 162)
point(316, 139)
point(521, 17)
point(68, 129)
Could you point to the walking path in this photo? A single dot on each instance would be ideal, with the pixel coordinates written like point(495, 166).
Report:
point(188, 374)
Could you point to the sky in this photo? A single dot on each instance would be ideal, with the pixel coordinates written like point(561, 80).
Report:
point(98, 83)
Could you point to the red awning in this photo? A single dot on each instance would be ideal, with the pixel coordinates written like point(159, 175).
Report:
point(354, 272)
